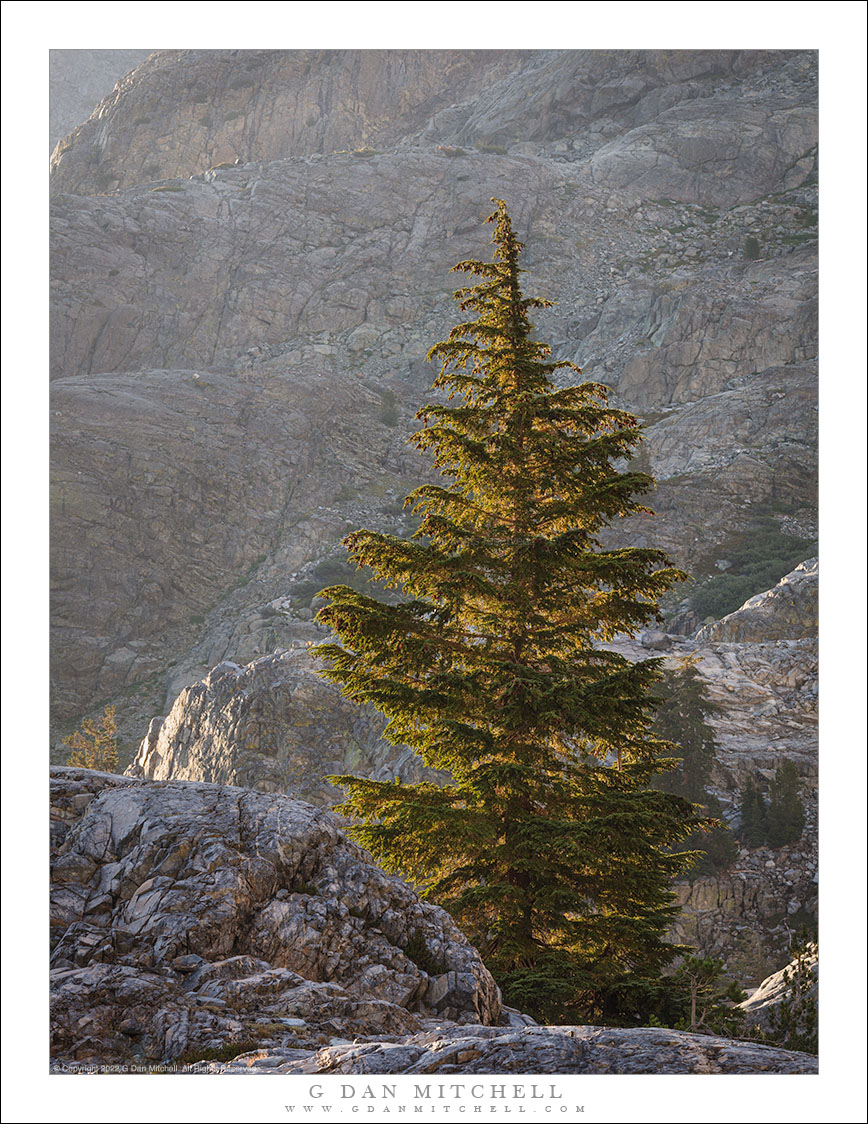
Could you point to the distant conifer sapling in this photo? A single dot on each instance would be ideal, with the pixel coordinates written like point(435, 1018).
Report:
point(94, 744)
point(547, 845)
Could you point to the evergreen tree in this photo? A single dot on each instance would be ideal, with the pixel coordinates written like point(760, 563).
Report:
point(548, 845)
point(94, 745)
point(753, 813)
point(785, 819)
point(681, 719)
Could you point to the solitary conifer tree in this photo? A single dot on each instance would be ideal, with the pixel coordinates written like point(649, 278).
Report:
point(786, 814)
point(547, 845)
point(681, 719)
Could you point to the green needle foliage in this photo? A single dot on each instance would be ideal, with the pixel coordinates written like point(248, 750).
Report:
point(786, 814)
point(548, 845)
point(779, 822)
point(681, 720)
point(754, 814)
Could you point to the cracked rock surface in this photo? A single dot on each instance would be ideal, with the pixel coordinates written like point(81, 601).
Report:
point(549, 1049)
point(192, 916)
point(230, 931)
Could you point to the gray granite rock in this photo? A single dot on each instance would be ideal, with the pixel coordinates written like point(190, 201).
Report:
point(548, 1050)
point(274, 725)
point(204, 916)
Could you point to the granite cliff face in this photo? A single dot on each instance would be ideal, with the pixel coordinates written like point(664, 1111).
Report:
point(238, 350)
point(766, 691)
point(638, 116)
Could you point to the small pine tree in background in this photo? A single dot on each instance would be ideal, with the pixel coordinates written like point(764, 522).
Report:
point(782, 819)
point(699, 998)
point(682, 719)
point(794, 1022)
point(716, 846)
point(785, 819)
point(94, 745)
point(548, 845)
point(753, 811)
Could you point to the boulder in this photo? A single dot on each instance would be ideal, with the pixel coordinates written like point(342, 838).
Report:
point(275, 725)
point(191, 917)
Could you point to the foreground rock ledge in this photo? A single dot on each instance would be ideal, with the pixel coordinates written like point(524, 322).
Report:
point(528, 1050)
point(221, 930)
point(538, 1049)
point(191, 918)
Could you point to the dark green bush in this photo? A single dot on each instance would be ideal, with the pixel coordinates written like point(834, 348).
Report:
point(760, 556)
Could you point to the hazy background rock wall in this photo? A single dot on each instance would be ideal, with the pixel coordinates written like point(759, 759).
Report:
point(222, 342)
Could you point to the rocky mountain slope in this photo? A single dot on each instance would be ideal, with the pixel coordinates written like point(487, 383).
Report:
point(238, 350)
point(193, 920)
point(80, 79)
